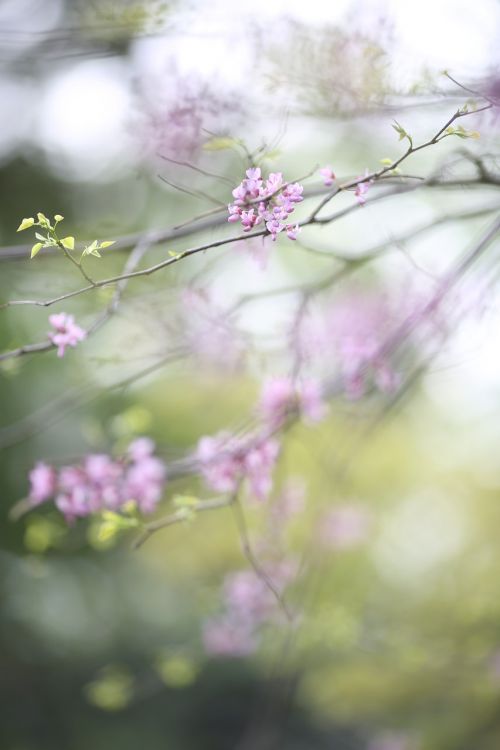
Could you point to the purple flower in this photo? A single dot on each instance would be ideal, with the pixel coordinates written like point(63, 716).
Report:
point(328, 175)
point(362, 189)
point(102, 483)
point(292, 231)
point(276, 204)
point(226, 461)
point(43, 483)
point(66, 332)
point(281, 397)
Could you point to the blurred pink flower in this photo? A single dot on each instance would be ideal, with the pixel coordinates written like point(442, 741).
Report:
point(353, 328)
point(328, 175)
point(280, 398)
point(102, 483)
point(66, 332)
point(225, 461)
point(43, 483)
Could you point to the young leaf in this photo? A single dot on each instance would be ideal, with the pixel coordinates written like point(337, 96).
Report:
point(220, 143)
point(43, 221)
point(107, 243)
point(25, 224)
point(92, 249)
point(36, 248)
point(68, 243)
point(58, 218)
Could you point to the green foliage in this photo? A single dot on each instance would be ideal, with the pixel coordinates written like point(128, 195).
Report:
point(111, 690)
point(51, 239)
point(402, 132)
point(461, 132)
point(221, 143)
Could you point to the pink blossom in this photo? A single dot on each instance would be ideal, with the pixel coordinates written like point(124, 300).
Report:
point(273, 182)
point(43, 483)
point(101, 482)
point(225, 461)
point(277, 203)
point(66, 332)
point(144, 482)
point(141, 448)
point(362, 189)
point(281, 397)
point(293, 192)
point(292, 231)
point(247, 596)
point(353, 328)
point(328, 175)
point(177, 112)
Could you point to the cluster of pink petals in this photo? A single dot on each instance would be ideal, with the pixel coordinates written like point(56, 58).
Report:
point(281, 397)
point(101, 482)
point(328, 175)
point(362, 189)
point(248, 604)
point(354, 328)
point(225, 461)
point(271, 202)
point(65, 333)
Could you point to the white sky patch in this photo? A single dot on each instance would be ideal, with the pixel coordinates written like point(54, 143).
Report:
point(82, 120)
point(420, 533)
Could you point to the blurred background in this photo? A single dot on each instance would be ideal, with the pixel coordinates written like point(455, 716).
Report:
point(134, 117)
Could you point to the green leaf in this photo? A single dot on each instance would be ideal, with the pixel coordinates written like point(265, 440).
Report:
point(399, 130)
point(40, 237)
point(92, 249)
point(25, 224)
point(107, 243)
point(68, 243)
point(43, 221)
point(386, 162)
point(36, 248)
point(220, 143)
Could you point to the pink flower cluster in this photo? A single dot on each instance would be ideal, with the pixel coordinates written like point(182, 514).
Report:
point(328, 175)
point(354, 327)
point(65, 333)
point(362, 189)
point(281, 397)
point(225, 461)
point(271, 202)
point(101, 482)
point(248, 603)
